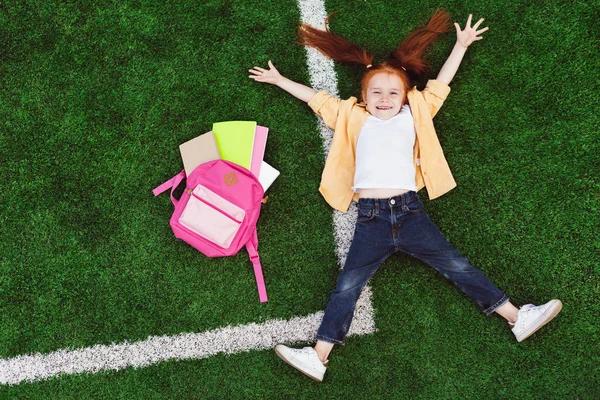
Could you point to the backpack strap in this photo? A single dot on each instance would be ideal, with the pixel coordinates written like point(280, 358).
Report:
point(253, 253)
point(170, 184)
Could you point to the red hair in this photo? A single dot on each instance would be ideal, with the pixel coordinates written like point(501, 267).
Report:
point(408, 55)
point(333, 46)
point(405, 61)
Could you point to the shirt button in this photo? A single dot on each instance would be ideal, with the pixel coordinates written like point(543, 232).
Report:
point(392, 201)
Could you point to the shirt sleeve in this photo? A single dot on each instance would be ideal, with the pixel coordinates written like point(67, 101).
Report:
point(435, 94)
point(326, 106)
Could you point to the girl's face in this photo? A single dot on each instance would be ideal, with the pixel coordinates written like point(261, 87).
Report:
point(384, 95)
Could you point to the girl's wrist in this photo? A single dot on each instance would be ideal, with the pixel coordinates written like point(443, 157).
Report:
point(280, 81)
point(460, 46)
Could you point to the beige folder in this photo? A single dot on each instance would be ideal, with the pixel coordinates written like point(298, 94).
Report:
point(199, 150)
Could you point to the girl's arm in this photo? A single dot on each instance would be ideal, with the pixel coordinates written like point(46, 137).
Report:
point(463, 40)
point(273, 77)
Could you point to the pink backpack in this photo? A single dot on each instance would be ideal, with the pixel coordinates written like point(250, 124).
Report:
point(218, 211)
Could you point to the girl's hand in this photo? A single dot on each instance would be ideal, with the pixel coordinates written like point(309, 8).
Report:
point(273, 77)
point(470, 34)
point(270, 75)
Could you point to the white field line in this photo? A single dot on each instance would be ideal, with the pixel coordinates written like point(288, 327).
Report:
point(226, 340)
point(323, 77)
point(155, 349)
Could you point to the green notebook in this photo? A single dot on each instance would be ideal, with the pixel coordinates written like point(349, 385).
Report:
point(236, 141)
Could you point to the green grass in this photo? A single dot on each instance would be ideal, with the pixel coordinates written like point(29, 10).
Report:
point(95, 98)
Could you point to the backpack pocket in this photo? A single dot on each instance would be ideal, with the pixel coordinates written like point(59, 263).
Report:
point(212, 217)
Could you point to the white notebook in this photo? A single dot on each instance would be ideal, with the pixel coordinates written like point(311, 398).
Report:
point(267, 175)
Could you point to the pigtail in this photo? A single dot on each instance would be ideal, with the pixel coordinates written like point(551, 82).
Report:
point(407, 55)
point(405, 62)
point(333, 46)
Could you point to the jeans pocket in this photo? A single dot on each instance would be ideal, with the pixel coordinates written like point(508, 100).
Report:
point(415, 206)
point(365, 214)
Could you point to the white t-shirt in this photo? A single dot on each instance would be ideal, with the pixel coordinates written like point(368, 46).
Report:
point(384, 153)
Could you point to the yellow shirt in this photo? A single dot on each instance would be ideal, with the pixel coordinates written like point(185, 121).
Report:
point(347, 118)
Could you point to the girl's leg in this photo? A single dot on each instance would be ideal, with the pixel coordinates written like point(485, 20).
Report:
point(371, 245)
point(419, 237)
point(323, 349)
point(508, 311)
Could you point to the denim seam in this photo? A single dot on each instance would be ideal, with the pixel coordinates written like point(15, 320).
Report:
point(496, 306)
point(328, 339)
point(488, 311)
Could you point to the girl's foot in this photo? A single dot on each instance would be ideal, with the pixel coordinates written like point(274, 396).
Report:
point(304, 360)
point(530, 318)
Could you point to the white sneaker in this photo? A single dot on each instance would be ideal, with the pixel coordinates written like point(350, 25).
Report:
point(304, 360)
point(530, 318)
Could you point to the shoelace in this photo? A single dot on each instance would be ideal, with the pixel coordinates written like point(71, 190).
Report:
point(524, 314)
point(308, 350)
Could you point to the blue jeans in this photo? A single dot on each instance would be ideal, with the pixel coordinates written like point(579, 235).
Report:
point(383, 227)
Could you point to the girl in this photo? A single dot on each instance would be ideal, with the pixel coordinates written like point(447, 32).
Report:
point(384, 150)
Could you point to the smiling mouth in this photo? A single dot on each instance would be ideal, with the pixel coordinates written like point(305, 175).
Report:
point(384, 108)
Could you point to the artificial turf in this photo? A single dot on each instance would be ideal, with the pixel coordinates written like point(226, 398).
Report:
point(95, 98)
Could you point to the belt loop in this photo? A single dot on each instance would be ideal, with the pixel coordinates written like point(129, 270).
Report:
point(404, 202)
point(376, 206)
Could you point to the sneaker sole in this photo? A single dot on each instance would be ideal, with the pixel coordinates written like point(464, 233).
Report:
point(316, 378)
point(552, 312)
